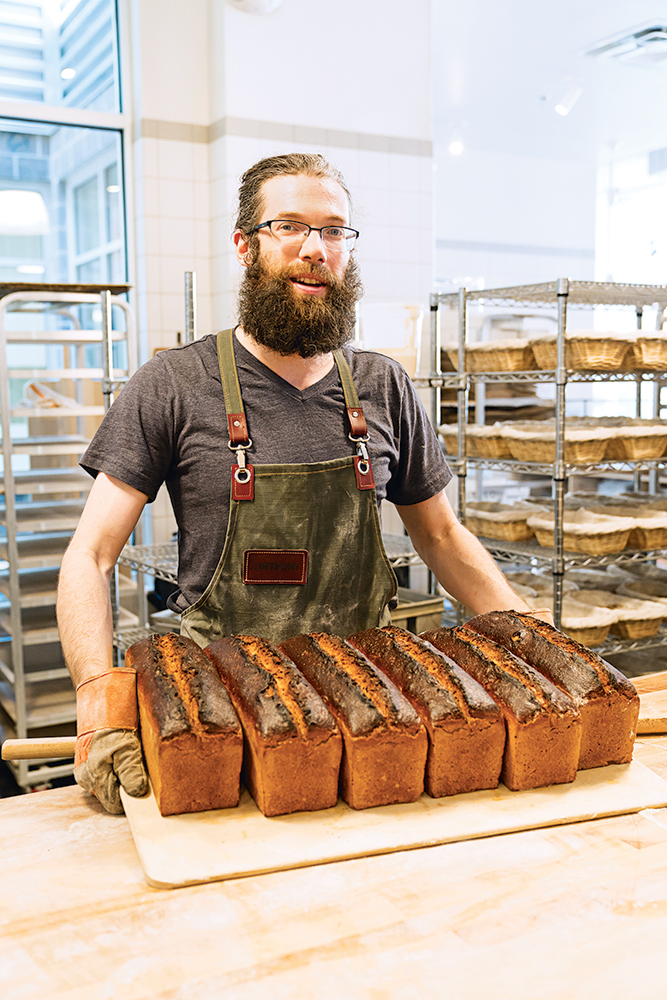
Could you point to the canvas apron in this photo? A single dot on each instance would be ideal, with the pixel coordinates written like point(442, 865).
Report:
point(303, 550)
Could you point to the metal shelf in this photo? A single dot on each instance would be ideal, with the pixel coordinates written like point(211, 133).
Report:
point(549, 468)
point(580, 293)
point(531, 552)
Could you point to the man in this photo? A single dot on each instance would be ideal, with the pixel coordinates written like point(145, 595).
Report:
point(319, 435)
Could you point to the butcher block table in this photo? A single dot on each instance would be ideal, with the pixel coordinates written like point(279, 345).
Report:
point(573, 912)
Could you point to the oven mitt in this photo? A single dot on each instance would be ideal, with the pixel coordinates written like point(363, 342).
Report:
point(108, 749)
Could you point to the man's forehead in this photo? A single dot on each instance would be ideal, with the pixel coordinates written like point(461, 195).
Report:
point(293, 195)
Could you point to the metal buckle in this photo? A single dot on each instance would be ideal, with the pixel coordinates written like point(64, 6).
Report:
point(242, 474)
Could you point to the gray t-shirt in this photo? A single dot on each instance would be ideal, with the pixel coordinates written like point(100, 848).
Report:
point(169, 425)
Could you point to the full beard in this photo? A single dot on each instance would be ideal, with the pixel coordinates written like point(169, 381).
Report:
point(277, 317)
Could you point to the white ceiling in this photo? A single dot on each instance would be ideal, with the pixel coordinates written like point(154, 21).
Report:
point(495, 62)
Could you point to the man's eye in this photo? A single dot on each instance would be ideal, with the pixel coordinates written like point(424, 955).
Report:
point(335, 231)
point(285, 227)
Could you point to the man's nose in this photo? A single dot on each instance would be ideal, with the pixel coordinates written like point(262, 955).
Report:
point(313, 247)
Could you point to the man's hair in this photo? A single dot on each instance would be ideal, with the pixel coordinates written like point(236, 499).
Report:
point(250, 192)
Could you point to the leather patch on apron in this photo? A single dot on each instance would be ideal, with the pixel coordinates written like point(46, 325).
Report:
point(243, 488)
point(288, 566)
point(364, 474)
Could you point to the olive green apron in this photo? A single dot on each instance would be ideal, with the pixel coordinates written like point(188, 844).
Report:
point(303, 550)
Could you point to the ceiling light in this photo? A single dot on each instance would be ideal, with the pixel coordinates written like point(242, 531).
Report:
point(68, 73)
point(113, 188)
point(456, 146)
point(23, 213)
point(571, 95)
point(256, 6)
point(643, 46)
point(31, 269)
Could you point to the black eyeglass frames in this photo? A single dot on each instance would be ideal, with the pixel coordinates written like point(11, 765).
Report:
point(288, 231)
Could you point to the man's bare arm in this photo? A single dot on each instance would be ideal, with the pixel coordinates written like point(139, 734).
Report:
point(457, 559)
point(83, 605)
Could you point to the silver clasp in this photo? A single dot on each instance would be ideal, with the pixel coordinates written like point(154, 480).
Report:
point(242, 474)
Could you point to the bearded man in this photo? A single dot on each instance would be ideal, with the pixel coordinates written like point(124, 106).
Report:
point(277, 443)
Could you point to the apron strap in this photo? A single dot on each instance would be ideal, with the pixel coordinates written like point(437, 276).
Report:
point(358, 427)
point(238, 429)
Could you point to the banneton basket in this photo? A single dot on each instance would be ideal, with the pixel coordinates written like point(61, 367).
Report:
point(635, 619)
point(648, 352)
point(585, 350)
point(514, 355)
point(650, 526)
point(645, 589)
point(587, 625)
point(536, 442)
point(592, 534)
point(482, 441)
point(504, 522)
point(637, 439)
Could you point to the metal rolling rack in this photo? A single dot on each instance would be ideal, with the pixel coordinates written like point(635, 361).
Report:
point(556, 295)
point(35, 690)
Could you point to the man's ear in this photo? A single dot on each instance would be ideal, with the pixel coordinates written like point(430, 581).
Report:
point(243, 251)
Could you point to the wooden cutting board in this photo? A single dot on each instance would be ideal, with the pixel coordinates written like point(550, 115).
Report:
point(230, 843)
point(652, 690)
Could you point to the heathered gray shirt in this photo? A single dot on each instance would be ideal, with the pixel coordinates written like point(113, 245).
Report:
point(169, 425)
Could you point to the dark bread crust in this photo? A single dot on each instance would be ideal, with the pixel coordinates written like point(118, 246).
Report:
point(293, 746)
point(191, 735)
point(543, 723)
point(466, 728)
point(385, 743)
point(608, 702)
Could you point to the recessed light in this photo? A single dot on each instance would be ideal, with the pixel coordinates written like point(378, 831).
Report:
point(31, 269)
point(68, 73)
point(113, 188)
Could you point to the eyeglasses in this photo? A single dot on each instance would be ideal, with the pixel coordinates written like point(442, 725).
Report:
point(287, 231)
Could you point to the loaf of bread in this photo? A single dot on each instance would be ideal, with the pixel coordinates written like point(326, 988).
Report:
point(466, 729)
point(543, 723)
point(385, 743)
point(190, 733)
point(607, 701)
point(293, 746)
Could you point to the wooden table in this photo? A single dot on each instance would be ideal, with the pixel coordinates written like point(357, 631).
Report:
point(576, 912)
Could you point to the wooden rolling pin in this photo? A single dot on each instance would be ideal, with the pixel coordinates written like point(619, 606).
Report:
point(56, 746)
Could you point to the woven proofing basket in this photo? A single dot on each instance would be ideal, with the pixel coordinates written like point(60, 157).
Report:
point(636, 630)
point(585, 452)
point(587, 355)
point(636, 448)
point(504, 531)
point(588, 636)
point(488, 447)
point(592, 545)
point(647, 538)
point(503, 359)
point(650, 353)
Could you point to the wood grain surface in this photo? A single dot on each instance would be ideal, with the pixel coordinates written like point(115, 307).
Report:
point(652, 690)
point(576, 912)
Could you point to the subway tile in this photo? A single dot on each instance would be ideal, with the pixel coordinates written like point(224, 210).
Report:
point(404, 172)
point(152, 238)
point(201, 196)
point(202, 235)
point(151, 267)
point(172, 274)
point(148, 152)
point(153, 314)
point(151, 197)
point(176, 160)
point(176, 198)
point(217, 159)
point(177, 237)
point(373, 169)
point(173, 310)
point(200, 160)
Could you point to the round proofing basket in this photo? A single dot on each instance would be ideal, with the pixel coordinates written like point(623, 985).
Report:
point(636, 448)
point(504, 531)
point(525, 450)
point(488, 447)
point(585, 354)
point(502, 359)
point(592, 545)
point(638, 629)
point(647, 538)
point(650, 353)
point(588, 636)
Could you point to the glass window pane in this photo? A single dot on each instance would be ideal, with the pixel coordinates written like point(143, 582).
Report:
point(61, 52)
point(86, 214)
point(58, 221)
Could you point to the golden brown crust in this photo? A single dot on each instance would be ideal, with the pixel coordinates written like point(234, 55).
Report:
point(190, 733)
point(608, 702)
point(543, 724)
point(385, 743)
point(465, 726)
point(293, 746)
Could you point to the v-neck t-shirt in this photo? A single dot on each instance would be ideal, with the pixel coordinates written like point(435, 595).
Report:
point(169, 425)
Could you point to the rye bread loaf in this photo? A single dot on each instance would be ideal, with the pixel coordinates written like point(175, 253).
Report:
point(293, 746)
point(466, 729)
point(190, 733)
point(607, 701)
point(385, 743)
point(543, 723)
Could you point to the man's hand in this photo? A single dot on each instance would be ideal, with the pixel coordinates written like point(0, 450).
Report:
point(108, 750)
point(544, 614)
point(114, 758)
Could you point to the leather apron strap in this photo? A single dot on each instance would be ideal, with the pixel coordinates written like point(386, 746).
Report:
point(305, 553)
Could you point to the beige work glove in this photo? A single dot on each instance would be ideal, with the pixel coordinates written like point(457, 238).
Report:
point(108, 749)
